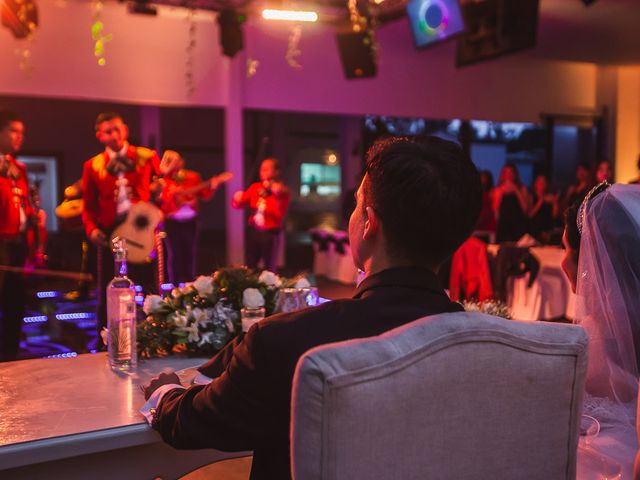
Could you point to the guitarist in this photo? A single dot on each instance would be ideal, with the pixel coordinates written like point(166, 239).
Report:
point(15, 210)
point(181, 193)
point(112, 181)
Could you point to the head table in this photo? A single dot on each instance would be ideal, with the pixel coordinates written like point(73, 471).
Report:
point(74, 418)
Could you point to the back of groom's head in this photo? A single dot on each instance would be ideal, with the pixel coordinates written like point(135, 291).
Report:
point(427, 194)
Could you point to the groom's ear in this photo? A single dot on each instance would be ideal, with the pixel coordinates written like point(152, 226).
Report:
point(372, 225)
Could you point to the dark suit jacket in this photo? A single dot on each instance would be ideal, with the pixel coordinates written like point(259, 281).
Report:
point(247, 407)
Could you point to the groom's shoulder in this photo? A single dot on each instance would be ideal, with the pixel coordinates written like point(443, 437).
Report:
point(330, 311)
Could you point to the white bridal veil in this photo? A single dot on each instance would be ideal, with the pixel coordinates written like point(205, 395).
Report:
point(608, 302)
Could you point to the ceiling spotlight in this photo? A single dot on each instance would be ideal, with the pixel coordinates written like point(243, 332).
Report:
point(290, 15)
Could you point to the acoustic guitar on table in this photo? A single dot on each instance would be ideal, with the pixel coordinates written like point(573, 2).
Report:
point(141, 223)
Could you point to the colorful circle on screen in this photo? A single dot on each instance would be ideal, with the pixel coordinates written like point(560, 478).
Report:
point(434, 17)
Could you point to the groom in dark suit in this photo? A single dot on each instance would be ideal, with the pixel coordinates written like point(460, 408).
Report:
point(418, 201)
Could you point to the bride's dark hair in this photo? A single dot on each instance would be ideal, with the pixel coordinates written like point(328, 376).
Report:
point(571, 217)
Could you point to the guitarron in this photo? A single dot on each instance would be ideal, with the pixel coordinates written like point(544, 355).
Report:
point(139, 230)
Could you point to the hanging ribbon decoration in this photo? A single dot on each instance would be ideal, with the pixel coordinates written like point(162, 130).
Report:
point(21, 17)
point(358, 22)
point(252, 67)
point(191, 46)
point(99, 38)
point(293, 52)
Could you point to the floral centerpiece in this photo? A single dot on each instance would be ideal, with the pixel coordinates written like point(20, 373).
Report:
point(203, 316)
point(490, 307)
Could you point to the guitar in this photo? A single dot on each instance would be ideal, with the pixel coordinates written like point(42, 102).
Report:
point(138, 230)
point(142, 220)
point(181, 193)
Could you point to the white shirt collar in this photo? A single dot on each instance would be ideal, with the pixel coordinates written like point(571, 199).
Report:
point(121, 153)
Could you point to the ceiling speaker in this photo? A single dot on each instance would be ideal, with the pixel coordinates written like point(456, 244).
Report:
point(358, 53)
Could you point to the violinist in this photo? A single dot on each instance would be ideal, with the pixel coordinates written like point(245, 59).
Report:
point(16, 209)
point(269, 200)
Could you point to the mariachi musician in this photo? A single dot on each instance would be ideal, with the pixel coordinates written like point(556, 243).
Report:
point(182, 191)
point(15, 211)
point(113, 181)
point(268, 199)
point(37, 232)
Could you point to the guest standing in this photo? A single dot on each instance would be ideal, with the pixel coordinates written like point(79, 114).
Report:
point(510, 204)
point(636, 181)
point(268, 199)
point(582, 185)
point(604, 172)
point(248, 406)
point(487, 219)
point(15, 210)
point(544, 211)
point(112, 181)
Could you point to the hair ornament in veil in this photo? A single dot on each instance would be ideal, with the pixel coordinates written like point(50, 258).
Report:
point(582, 211)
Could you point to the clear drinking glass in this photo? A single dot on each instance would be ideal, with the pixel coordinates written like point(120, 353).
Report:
point(309, 296)
point(250, 316)
point(591, 462)
point(288, 300)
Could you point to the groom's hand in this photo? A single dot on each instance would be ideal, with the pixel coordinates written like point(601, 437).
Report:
point(167, 378)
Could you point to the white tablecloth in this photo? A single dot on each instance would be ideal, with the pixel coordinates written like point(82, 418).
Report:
point(336, 263)
point(605, 453)
point(74, 418)
point(550, 296)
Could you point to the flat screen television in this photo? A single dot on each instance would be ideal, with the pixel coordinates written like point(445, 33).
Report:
point(495, 28)
point(434, 21)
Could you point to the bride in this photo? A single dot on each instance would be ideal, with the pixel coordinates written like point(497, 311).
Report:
point(602, 261)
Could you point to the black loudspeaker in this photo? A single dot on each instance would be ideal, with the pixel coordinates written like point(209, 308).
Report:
point(495, 28)
point(231, 37)
point(358, 53)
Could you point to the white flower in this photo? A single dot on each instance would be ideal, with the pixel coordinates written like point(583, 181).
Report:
point(209, 316)
point(204, 285)
point(252, 298)
point(302, 282)
point(199, 316)
point(180, 320)
point(152, 304)
point(104, 334)
point(270, 279)
point(206, 338)
point(192, 330)
point(229, 324)
point(223, 311)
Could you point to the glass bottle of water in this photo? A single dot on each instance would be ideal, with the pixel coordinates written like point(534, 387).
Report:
point(121, 313)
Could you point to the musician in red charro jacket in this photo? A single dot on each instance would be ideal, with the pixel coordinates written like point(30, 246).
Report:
point(269, 200)
point(15, 211)
point(181, 194)
point(112, 181)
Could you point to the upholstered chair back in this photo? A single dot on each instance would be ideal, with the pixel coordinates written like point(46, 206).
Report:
point(451, 396)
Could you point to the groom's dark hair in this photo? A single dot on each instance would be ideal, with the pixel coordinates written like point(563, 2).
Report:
point(427, 194)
